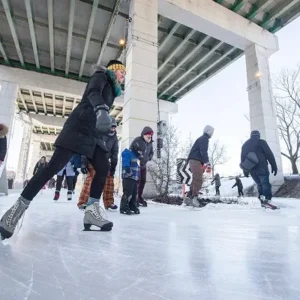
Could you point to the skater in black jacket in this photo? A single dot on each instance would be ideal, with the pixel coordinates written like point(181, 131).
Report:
point(82, 134)
point(3, 142)
point(239, 185)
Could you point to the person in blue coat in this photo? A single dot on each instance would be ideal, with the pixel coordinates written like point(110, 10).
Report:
point(130, 178)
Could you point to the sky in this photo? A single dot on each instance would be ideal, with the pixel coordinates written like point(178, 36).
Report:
point(222, 102)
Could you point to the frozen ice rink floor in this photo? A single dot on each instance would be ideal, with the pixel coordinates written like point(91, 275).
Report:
point(221, 252)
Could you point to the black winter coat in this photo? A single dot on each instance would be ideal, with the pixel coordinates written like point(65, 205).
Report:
point(3, 148)
point(79, 133)
point(238, 183)
point(146, 148)
point(217, 180)
point(200, 149)
point(39, 166)
point(263, 152)
point(112, 146)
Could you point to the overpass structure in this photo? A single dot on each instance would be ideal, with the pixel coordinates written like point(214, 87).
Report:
point(47, 48)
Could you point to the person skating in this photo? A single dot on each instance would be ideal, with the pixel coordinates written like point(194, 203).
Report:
point(68, 172)
point(217, 182)
point(145, 142)
point(239, 185)
point(112, 146)
point(255, 157)
point(3, 142)
point(131, 159)
point(199, 162)
point(87, 123)
point(76, 163)
point(41, 164)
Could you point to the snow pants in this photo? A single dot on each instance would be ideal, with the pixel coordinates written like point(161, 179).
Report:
point(108, 192)
point(197, 171)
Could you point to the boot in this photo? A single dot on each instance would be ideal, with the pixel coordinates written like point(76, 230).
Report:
point(56, 196)
point(94, 215)
point(124, 205)
point(195, 202)
point(142, 202)
point(187, 201)
point(69, 195)
point(113, 206)
point(133, 206)
point(11, 218)
point(82, 206)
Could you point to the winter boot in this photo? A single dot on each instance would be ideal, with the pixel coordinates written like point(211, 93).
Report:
point(133, 206)
point(113, 206)
point(69, 195)
point(124, 205)
point(142, 202)
point(94, 215)
point(56, 196)
point(195, 202)
point(187, 201)
point(11, 218)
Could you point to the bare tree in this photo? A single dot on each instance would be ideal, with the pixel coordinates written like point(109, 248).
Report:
point(287, 99)
point(217, 155)
point(163, 170)
point(186, 147)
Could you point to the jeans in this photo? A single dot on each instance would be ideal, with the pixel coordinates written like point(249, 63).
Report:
point(261, 178)
point(59, 159)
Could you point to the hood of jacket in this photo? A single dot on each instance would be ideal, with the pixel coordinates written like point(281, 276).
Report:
point(209, 130)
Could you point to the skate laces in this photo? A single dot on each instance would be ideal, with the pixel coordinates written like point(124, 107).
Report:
point(99, 212)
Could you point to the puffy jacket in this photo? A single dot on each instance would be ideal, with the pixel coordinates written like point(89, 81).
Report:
point(129, 159)
point(238, 183)
point(68, 168)
point(3, 148)
point(217, 180)
point(76, 160)
point(146, 148)
point(263, 152)
point(200, 149)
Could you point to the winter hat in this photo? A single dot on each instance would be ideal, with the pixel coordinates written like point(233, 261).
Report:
point(256, 134)
point(3, 130)
point(115, 65)
point(209, 130)
point(147, 130)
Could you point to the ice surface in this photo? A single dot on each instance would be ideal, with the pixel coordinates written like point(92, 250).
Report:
point(234, 252)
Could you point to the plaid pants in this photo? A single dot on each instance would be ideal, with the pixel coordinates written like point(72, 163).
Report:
point(108, 192)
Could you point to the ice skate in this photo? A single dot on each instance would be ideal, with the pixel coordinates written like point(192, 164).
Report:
point(94, 215)
point(187, 201)
point(82, 206)
point(11, 218)
point(133, 206)
point(69, 195)
point(56, 195)
point(113, 206)
point(195, 202)
point(142, 202)
point(124, 206)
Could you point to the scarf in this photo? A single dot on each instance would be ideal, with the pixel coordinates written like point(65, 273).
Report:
point(116, 85)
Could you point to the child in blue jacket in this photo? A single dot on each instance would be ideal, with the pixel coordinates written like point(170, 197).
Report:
point(130, 175)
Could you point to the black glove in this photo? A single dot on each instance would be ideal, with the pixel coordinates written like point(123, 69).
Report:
point(104, 120)
point(246, 173)
point(84, 163)
point(274, 171)
point(127, 170)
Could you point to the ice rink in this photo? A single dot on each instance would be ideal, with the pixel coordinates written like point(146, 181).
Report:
point(234, 252)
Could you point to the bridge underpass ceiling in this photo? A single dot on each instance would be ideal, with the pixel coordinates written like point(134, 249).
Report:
point(65, 38)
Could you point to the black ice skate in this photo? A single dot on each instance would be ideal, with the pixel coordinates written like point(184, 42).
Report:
point(56, 196)
point(94, 215)
point(69, 195)
point(142, 202)
point(11, 218)
point(113, 206)
point(133, 206)
point(124, 206)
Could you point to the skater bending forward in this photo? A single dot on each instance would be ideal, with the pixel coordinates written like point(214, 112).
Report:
point(130, 177)
point(87, 123)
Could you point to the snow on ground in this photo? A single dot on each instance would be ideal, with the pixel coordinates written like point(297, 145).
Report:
point(219, 252)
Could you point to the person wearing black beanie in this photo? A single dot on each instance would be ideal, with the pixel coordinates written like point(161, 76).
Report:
point(82, 134)
point(255, 157)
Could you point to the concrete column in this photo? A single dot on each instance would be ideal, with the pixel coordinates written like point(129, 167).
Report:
point(261, 102)
point(24, 151)
point(8, 96)
point(140, 99)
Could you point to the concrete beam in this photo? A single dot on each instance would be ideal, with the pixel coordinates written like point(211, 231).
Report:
point(219, 22)
point(51, 121)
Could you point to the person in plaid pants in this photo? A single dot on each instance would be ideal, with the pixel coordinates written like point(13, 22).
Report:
point(111, 141)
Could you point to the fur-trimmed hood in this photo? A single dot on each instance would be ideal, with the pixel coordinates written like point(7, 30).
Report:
point(3, 130)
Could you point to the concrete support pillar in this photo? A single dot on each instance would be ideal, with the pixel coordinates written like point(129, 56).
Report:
point(140, 99)
point(24, 151)
point(8, 96)
point(261, 102)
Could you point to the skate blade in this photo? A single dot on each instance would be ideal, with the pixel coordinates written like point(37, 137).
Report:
point(106, 227)
point(4, 234)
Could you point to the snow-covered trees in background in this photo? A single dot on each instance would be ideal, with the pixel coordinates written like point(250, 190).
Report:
point(217, 155)
point(287, 99)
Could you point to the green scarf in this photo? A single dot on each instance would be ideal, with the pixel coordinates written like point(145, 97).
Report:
point(116, 85)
